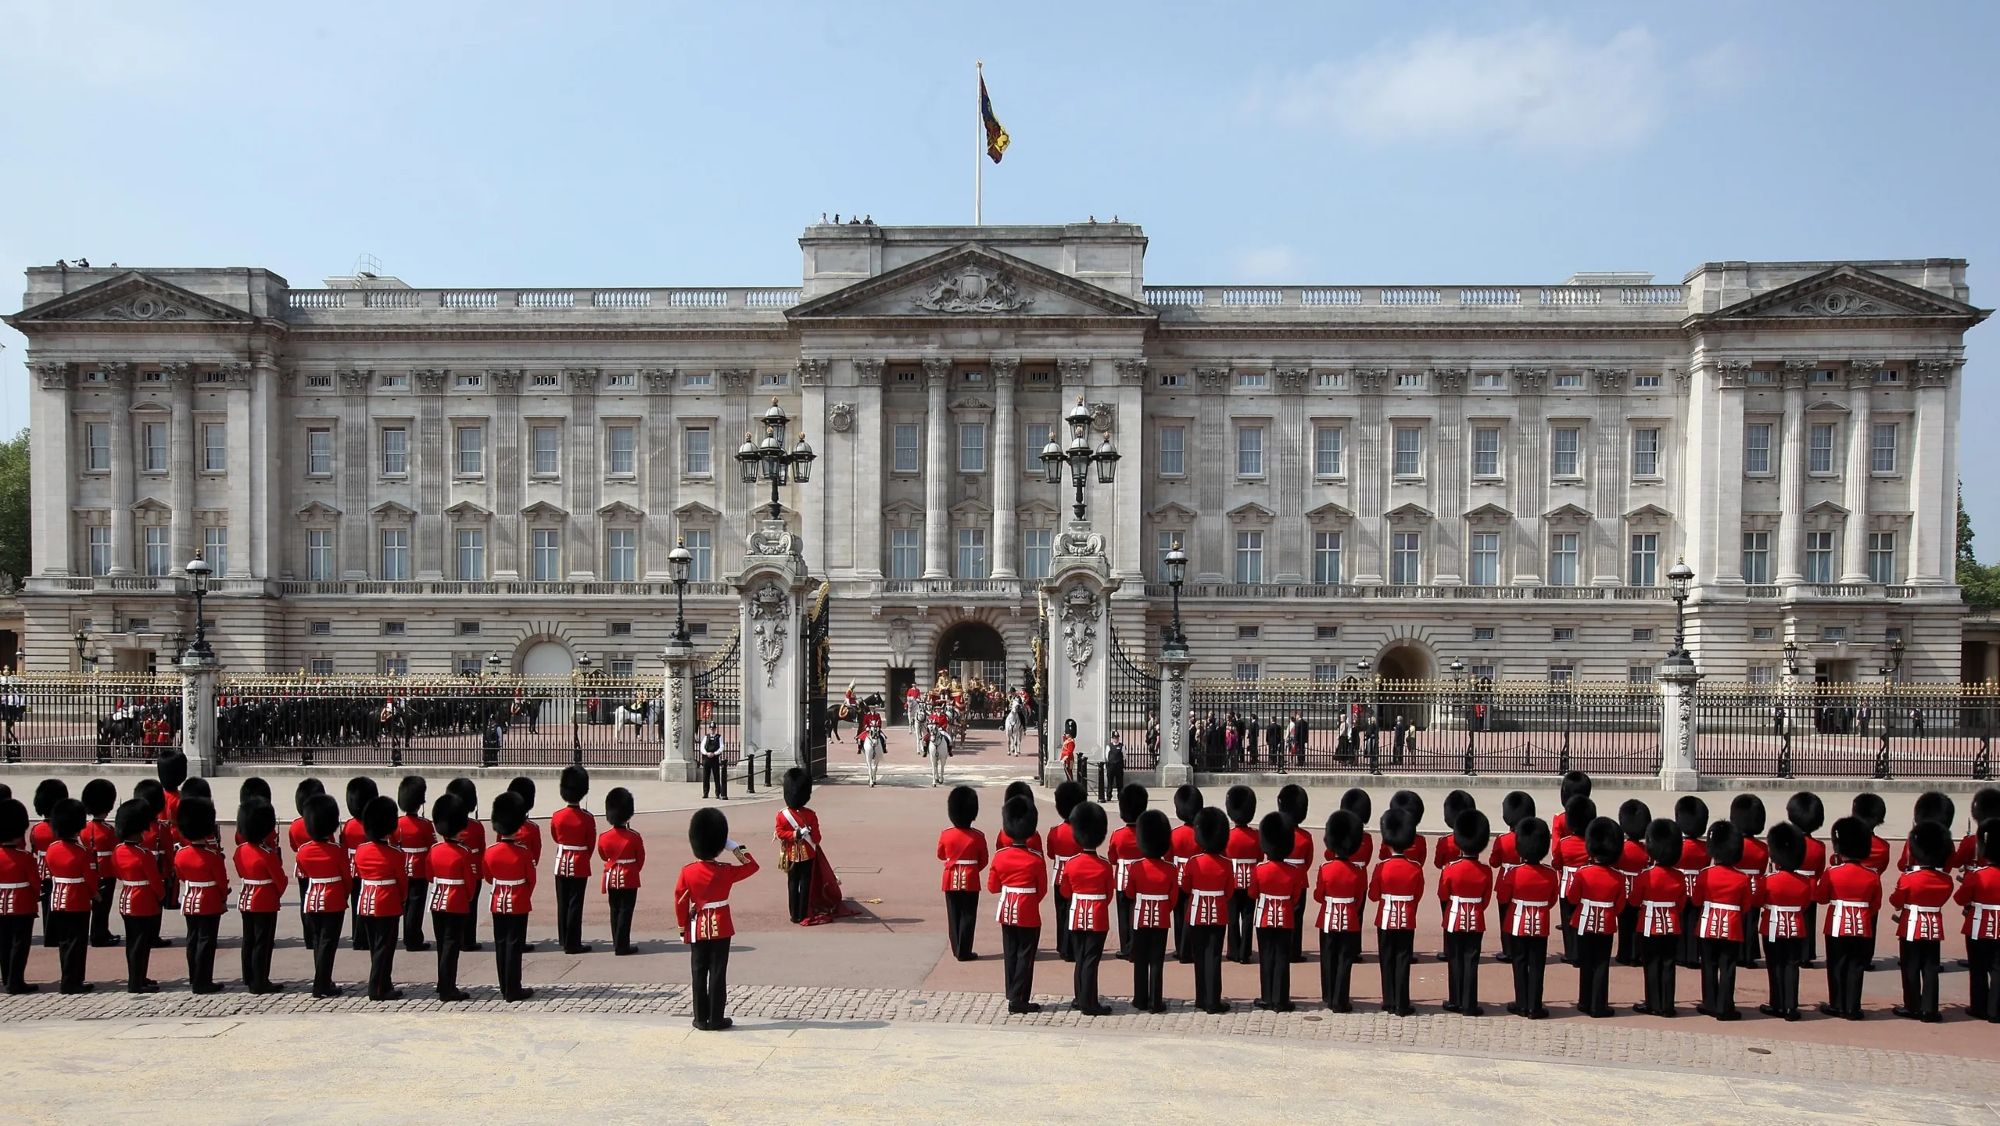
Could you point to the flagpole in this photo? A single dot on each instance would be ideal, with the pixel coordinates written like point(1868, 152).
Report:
point(979, 140)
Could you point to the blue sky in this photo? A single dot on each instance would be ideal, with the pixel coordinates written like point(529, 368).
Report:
point(660, 144)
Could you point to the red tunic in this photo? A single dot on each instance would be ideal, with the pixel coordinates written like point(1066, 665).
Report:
point(1784, 896)
point(510, 868)
point(204, 878)
point(1447, 851)
point(701, 898)
point(623, 852)
point(1598, 893)
point(72, 877)
point(1559, 827)
point(99, 839)
point(352, 837)
point(1979, 894)
point(1465, 890)
point(1878, 854)
point(1207, 880)
point(1155, 887)
point(1123, 853)
point(1723, 896)
point(530, 837)
point(1815, 859)
point(1903, 861)
point(1275, 887)
point(574, 832)
point(260, 874)
point(963, 852)
point(1021, 881)
point(1183, 849)
point(474, 840)
point(140, 886)
point(1659, 894)
point(1417, 852)
point(1694, 857)
point(1301, 856)
point(798, 834)
point(1340, 888)
point(1530, 890)
point(1395, 886)
point(20, 883)
point(1506, 853)
point(1632, 861)
point(1062, 846)
point(40, 836)
point(1756, 861)
point(1001, 840)
point(1919, 898)
point(384, 884)
point(1852, 892)
point(415, 836)
point(454, 877)
point(297, 836)
point(1087, 883)
point(322, 878)
point(1571, 857)
point(1244, 851)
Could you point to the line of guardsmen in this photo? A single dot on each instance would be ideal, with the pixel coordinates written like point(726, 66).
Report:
point(1643, 892)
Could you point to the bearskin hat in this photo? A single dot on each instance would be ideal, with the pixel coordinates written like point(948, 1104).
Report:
point(1663, 842)
point(378, 820)
point(1930, 845)
point(7, 793)
point(618, 806)
point(574, 783)
point(1456, 803)
point(1518, 804)
point(449, 815)
point(1531, 840)
point(1293, 803)
point(1871, 809)
point(1069, 728)
point(1471, 833)
point(1604, 840)
point(1989, 840)
point(173, 769)
point(961, 806)
point(360, 791)
point(1691, 817)
point(1932, 805)
point(1211, 830)
point(1088, 824)
point(1852, 838)
point(253, 787)
point(1746, 814)
point(1399, 829)
point(509, 813)
point(1985, 804)
point(1412, 803)
point(708, 831)
point(1575, 783)
point(1274, 836)
point(1725, 845)
point(100, 797)
point(256, 820)
point(1156, 834)
point(1187, 803)
point(1357, 802)
point(134, 817)
point(48, 792)
point(1343, 833)
point(1787, 845)
point(150, 791)
point(525, 787)
point(1017, 819)
point(1805, 811)
point(1132, 801)
point(307, 787)
point(798, 788)
point(467, 793)
point(1069, 795)
point(1578, 813)
point(1241, 804)
point(13, 820)
point(1633, 817)
point(412, 794)
point(1019, 789)
point(195, 818)
point(322, 817)
point(197, 788)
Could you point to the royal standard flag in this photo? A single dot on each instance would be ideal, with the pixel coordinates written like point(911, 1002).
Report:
point(996, 134)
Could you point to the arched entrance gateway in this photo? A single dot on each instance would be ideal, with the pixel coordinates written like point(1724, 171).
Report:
point(1396, 668)
point(975, 654)
point(547, 658)
point(1406, 661)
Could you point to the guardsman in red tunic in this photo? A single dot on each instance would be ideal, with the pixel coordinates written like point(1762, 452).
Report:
point(1530, 887)
point(474, 840)
point(1979, 893)
point(1155, 892)
point(1207, 880)
point(701, 908)
point(385, 884)
point(1851, 892)
point(962, 850)
point(1412, 803)
point(415, 836)
point(140, 889)
point(1339, 891)
point(1465, 890)
point(1931, 805)
point(1357, 802)
point(1023, 790)
point(74, 876)
point(1746, 813)
point(1244, 852)
point(510, 868)
point(48, 792)
point(296, 836)
point(160, 839)
point(354, 834)
point(204, 880)
point(1806, 813)
point(1726, 897)
point(1019, 877)
point(323, 879)
point(1985, 806)
point(20, 892)
point(1919, 899)
point(1062, 846)
point(530, 836)
point(1395, 887)
point(100, 798)
point(1187, 807)
point(1691, 818)
point(1634, 817)
point(574, 832)
point(1596, 896)
point(623, 852)
point(172, 768)
point(260, 874)
point(1575, 784)
point(798, 833)
point(1871, 811)
point(454, 879)
point(1088, 883)
point(1784, 894)
point(1659, 895)
point(1275, 886)
point(1572, 854)
point(1515, 808)
point(1123, 854)
point(1295, 805)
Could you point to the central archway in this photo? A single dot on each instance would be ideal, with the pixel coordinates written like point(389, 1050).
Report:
point(1405, 661)
point(976, 655)
point(547, 658)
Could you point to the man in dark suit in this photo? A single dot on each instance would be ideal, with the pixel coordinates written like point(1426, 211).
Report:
point(1401, 737)
point(1300, 730)
point(1274, 740)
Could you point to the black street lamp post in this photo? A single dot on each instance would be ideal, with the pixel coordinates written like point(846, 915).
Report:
point(779, 465)
point(1079, 456)
point(1680, 576)
point(198, 572)
point(1177, 562)
point(679, 561)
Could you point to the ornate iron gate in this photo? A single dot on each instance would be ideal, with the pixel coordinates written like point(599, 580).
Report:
point(1040, 687)
point(717, 691)
point(812, 700)
point(1135, 694)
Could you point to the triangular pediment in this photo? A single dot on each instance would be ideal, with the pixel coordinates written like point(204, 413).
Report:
point(543, 510)
point(150, 506)
point(389, 509)
point(1826, 508)
point(971, 281)
point(1174, 513)
point(1649, 512)
point(466, 510)
point(1410, 511)
point(1490, 513)
point(318, 510)
point(619, 510)
point(696, 511)
point(971, 508)
point(1848, 292)
point(1037, 507)
point(1566, 513)
point(1329, 513)
point(1252, 513)
point(131, 297)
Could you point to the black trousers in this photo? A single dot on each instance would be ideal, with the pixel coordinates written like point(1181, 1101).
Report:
point(1569, 933)
point(201, 930)
point(1149, 959)
point(100, 914)
point(1810, 952)
point(71, 930)
point(798, 889)
point(1274, 967)
point(260, 935)
point(1657, 953)
point(1182, 954)
point(1782, 957)
point(414, 903)
point(17, 934)
point(1063, 950)
point(1393, 953)
point(1628, 937)
point(713, 773)
point(1204, 948)
point(1461, 953)
point(961, 918)
point(323, 938)
point(1299, 928)
point(1920, 976)
point(451, 930)
point(360, 937)
point(140, 931)
point(1338, 951)
point(1114, 779)
point(1718, 975)
point(709, 959)
point(48, 921)
point(1846, 960)
point(1089, 949)
point(622, 901)
point(1984, 976)
point(1689, 953)
point(1124, 924)
point(510, 941)
point(1506, 953)
point(1752, 924)
point(1593, 973)
point(1017, 952)
point(379, 933)
point(1531, 961)
point(1239, 926)
point(570, 891)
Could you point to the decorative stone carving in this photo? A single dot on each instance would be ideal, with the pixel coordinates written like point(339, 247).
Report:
point(1610, 381)
point(840, 417)
point(1101, 416)
point(735, 379)
point(659, 381)
point(1078, 540)
point(430, 381)
point(773, 538)
point(899, 641)
point(1936, 372)
point(868, 371)
point(1733, 373)
point(1003, 369)
point(1079, 628)
point(973, 289)
point(1531, 381)
point(53, 376)
point(1795, 371)
point(1682, 378)
point(141, 307)
point(178, 376)
point(354, 381)
point(506, 381)
point(1861, 372)
point(1370, 379)
point(1838, 303)
point(583, 381)
point(117, 373)
point(1451, 381)
point(235, 374)
point(1073, 371)
point(1212, 379)
point(770, 607)
point(1130, 371)
point(1292, 380)
point(812, 373)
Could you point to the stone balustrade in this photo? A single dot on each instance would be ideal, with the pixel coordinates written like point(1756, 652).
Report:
point(331, 305)
point(1651, 301)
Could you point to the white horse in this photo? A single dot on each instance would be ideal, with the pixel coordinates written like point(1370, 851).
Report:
point(625, 716)
point(1014, 727)
point(873, 747)
point(939, 749)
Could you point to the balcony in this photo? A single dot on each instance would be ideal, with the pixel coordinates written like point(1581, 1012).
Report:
point(994, 590)
point(505, 588)
point(450, 306)
point(1426, 593)
point(1661, 303)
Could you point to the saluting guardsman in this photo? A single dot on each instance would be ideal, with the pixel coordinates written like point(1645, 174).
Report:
point(1659, 895)
point(384, 885)
point(1275, 887)
point(296, 836)
point(799, 839)
point(454, 876)
point(415, 837)
point(574, 832)
point(510, 868)
point(1087, 882)
point(1244, 851)
point(204, 880)
point(1596, 896)
point(1726, 896)
point(323, 877)
point(1155, 891)
point(1851, 891)
point(1124, 853)
point(962, 850)
point(260, 874)
point(172, 769)
point(1395, 887)
point(1062, 846)
point(1785, 895)
point(1021, 881)
point(1919, 900)
point(1691, 818)
point(1465, 890)
point(623, 852)
point(701, 910)
point(1340, 889)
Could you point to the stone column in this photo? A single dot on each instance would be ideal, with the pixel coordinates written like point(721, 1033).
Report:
point(1603, 562)
point(1176, 767)
point(663, 469)
point(937, 469)
point(358, 466)
point(1854, 541)
point(1079, 589)
point(1127, 512)
point(250, 420)
point(1677, 725)
point(431, 470)
point(1532, 464)
point(677, 762)
point(200, 673)
point(1211, 557)
point(583, 477)
point(1933, 527)
point(54, 478)
point(772, 590)
point(1006, 469)
point(1451, 464)
point(1792, 478)
point(1370, 464)
point(180, 388)
point(868, 467)
point(1720, 469)
point(124, 466)
point(810, 375)
point(508, 472)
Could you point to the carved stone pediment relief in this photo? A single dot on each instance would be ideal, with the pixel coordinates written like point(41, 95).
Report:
point(130, 297)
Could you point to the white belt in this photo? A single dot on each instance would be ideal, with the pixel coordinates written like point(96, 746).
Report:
point(255, 883)
point(414, 851)
point(574, 848)
point(442, 881)
point(1783, 909)
point(1143, 897)
point(77, 880)
point(1979, 913)
point(1399, 899)
point(107, 852)
point(1085, 898)
point(378, 883)
point(1803, 873)
point(1753, 873)
point(715, 906)
point(326, 880)
point(974, 863)
point(508, 883)
point(1732, 907)
point(1849, 904)
point(1656, 904)
point(1465, 901)
point(1300, 863)
point(630, 860)
point(1200, 894)
point(1074, 910)
point(121, 883)
point(12, 887)
point(204, 883)
point(1267, 897)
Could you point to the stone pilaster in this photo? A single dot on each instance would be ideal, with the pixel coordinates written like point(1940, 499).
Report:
point(937, 469)
point(124, 466)
point(1006, 444)
point(200, 674)
point(1533, 466)
point(1792, 477)
point(1176, 767)
point(180, 390)
point(1854, 480)
point(1370, 472)
point(431, 469)
point(1676, 683)
point(810, 375)
point(677, 761)
point(54, 480)
point(359, 467)
point(1934, 526)
point(583, 474)
point(868, 467)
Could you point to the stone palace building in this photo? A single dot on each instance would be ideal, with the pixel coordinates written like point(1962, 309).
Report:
point(1366, 477)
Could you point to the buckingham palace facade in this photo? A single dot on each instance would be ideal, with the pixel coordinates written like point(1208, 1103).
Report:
point(1390, 478)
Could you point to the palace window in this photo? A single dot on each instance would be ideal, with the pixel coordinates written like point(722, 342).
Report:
point(1249, 557)
point(1569, 380)
point(159, 551)
point(701, 545)
point(322, 666)
point(1037, 551)
point(97, 549)
point(547, 441)
point(545, 555)
point(1249, 451)
point(906, 553)
point(1489, 380)
point(1173, 451)
point(1163, 542)
point(1246, 671)
point(97, 446)
point(468, 380)
point(214, 447)
point(697, 458)
point(395, 554)
point(1881, 557)
point(319, 555)
point(972, 562)
point(1819, 557)
point(1819, 450)
point(1562, 558)
point(1486, 451)
point(1034, 436)
point(1646, 452)
point(471, 451)
point(394, 664)
point(1646, 379)
point(1756, 558)
point(153, 447)
point(1253, 380)
point(1757, 448)
point(905, 440)
point(471, 554)
point(1409, 452)
point(621, 555)
point(1326, 451)
point(1645, 564)
point(395, 451)
point(1326, 558)
point(621, 451)
point(1882, 448)
point(1485, 559)
point(319, 451)
point(1406, 558)
point(1482, 633)
point(1565, 444)
point(215, 549)
point(972, 447)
